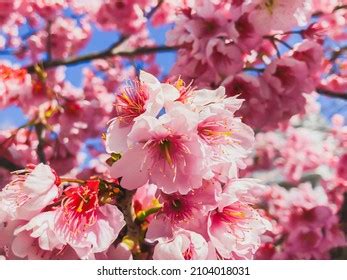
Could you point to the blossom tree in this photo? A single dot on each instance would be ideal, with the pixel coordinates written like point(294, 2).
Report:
point(226, 155)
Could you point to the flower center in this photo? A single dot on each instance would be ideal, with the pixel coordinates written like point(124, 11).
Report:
point(212, 131)
point(80, 205)
point(131, 102)
point(176, 204)
point(184, 90)
point(233, 214)
point(177, 208)
point(165, 149)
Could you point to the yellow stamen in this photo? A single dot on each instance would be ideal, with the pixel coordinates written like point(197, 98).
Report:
point(80, 207)
point(126, 97)
point(165, 149)
point(209, 132)
point(179, 83)
point(236, 214)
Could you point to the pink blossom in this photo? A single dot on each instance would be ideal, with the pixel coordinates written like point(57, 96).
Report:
point(79, 228)
point(7, 236)
point(7, 8)
point(165, 150)
point(303, 153)
point(226, 139)
point(235, 227)
point(185, 245)
point(28, 194)
point(342, 167)
point(37, 234)
point(15, 84)
point(184, 211)
point(169, 176)
point(311, 53)
point(278, 15)
point(248, 88)
point(67, 38)
point(235, 231)
point(109, 15)
point(167, 12)
point(306, 223)
point(326, 6)
point(120, 252)
point(48, 8)
point(146, 96)
point(283, 75)
point(84, 224)
point(247, 37)
point(306, 239)
point(335, 83)
point(225, 59)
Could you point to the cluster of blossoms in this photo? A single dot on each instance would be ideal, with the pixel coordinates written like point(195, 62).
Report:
point(304, 167)
point(62, 110)
point(188, 145)
point(305, 225)
point(229, 158)
point(181, 149)
point(223, 42)
point(42, 219)
point(13, 83)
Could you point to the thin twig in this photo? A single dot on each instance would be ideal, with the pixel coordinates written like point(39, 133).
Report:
point(332, 93)
point(152, 11)
point(39, 128)
point(278, 53)
point(284, 43)
point(100, 55)
point(337, 8)
point(109, 52)
point(337, 53)
point(9, 165)
point(252, 69)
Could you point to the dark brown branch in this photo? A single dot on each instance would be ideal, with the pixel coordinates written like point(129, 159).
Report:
point(339, 8)
point(133, 230)
point(109, 52)
point(278, 53)
point(252, 69)
point(152, 12)
point(126, 206)
point(330, 93)
point(9, 165)
point(121, 40)
point(100, 55)
point(146, 50)
point(337, 53)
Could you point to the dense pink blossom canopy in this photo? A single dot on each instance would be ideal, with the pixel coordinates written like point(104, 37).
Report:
point(225, 154)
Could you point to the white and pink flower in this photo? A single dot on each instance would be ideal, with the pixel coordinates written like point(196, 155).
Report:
point(28, 194)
